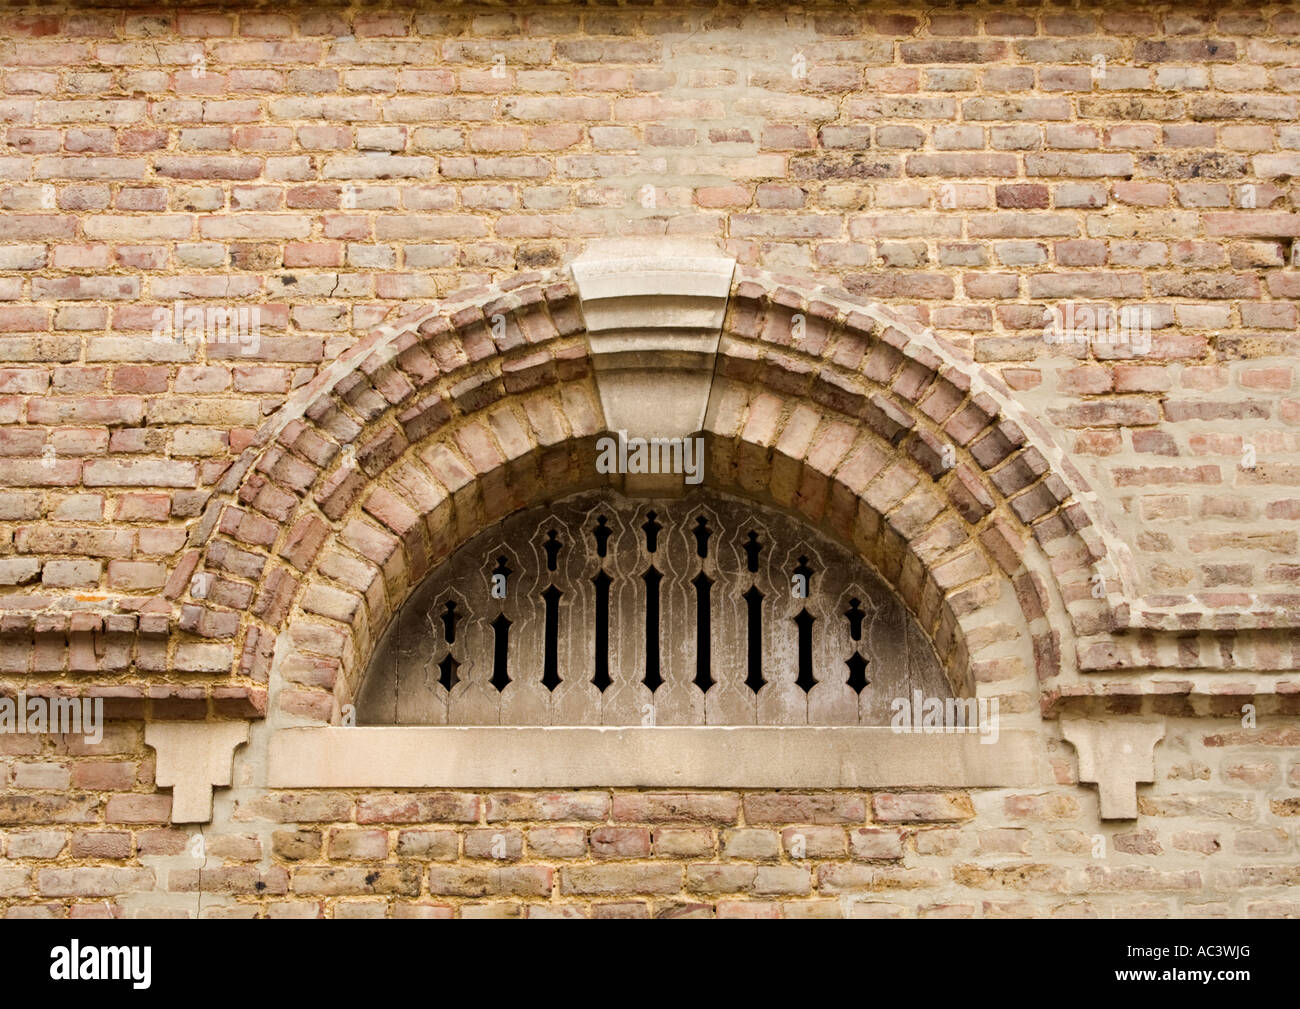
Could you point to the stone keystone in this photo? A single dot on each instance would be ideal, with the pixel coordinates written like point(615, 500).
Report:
point(654, 315)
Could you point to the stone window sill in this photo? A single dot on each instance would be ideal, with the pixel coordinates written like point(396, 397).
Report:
point(655, 757)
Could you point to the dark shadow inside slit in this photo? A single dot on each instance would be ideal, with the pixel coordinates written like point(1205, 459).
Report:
point(703, 637)
point(804, 621)
point(754, 619)
point(551, 645)
point(500, 651)
point(652, 678)
point(601, 677)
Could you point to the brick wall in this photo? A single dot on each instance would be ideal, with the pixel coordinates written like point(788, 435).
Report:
point(975, 167)
point(971, 167)
point(85, 836)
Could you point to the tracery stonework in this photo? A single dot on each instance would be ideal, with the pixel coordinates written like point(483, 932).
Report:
point(704, 610)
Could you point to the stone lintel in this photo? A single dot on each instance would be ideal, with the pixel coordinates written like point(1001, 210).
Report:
point(746, 756)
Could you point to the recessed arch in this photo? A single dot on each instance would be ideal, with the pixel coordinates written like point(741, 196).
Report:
point(834, 408)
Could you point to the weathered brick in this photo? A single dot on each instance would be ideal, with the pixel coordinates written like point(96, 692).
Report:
point(614, 879)
point(675, 807)
point(924, 807)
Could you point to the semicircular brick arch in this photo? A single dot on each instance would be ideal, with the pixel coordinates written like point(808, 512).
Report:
point(839, 410)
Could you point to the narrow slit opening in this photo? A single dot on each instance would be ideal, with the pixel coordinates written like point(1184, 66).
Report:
point(602, 532)
point(601, 677)
point(754, 624)
point(552, 546)
point(449, 622)
point(447, 674)
point(500, 651)
point(651, 528)
point(855, 614)
point(500, 579)
point(652, 678)
point(551, 644)
point(857, 672)
point(703, 636)
point(702, 532)
point(804, 622)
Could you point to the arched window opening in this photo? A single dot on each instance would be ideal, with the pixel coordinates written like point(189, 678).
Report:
point(609, 610)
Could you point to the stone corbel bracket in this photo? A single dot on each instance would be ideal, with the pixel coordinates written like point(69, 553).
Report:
point(192, 758)
point(653, 325)
point(1115, 754)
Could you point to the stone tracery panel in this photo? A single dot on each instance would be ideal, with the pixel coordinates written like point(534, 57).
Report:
point(607, 610)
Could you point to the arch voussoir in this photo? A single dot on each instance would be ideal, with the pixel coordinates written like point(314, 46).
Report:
point(902, 381)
